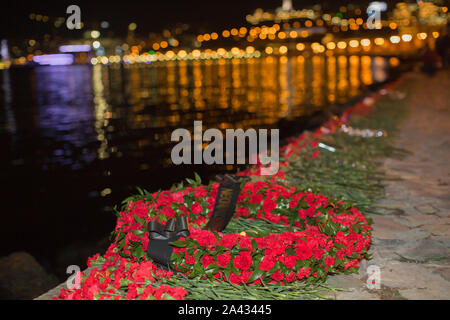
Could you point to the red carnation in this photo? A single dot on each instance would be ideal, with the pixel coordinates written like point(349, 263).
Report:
point(196, 208)
point(291, 277)
point(329, 261)
point(207, 260)
point(290, 261)
point(242, 211)
point(200, 192)
point(243, 261)
point(269, 205)
point(303, 272)
point(223, 259)
point(277, 276)
point(267, 263)
point(229, 240)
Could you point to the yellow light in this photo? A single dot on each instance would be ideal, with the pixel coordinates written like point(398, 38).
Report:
point(342, 45)
point(243, 30)
point(283, 49)
point(395, 39)
point(300, 46)
point(435, 34)
point(365, 42)
point(331, 45)
point(104, 60)
point(182, 54)
point(95, 34)
point(235, 51)
point(250, 49)
point(132, 26)
point(234, 32)
point(293, 34)
point(225, 33)
point(269, 50)
point(262, 36)
point(94, 61)
point(406, 37)
point(353, 43)
point(422, 36)
point(394, 62)
point(170, 54)
point(282, 35)
point(393, 25)
point(379, 41)
point(444, 9)
point(196, 53)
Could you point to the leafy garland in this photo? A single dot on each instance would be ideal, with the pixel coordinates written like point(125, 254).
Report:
point(320, 236)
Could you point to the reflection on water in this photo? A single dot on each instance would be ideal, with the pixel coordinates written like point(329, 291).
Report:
point(79, 138)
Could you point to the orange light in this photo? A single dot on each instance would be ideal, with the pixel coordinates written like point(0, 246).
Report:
point(300, 46)
point(225, 33)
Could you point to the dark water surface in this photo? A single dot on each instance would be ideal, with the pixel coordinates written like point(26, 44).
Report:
point(76, 140)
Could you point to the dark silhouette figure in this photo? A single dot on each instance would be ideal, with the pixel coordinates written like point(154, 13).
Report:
point(442, 47)
point(430, 61)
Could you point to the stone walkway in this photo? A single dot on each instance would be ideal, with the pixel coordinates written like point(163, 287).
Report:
point(411, 240)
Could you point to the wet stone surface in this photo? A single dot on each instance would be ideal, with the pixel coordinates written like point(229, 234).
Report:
point(411, 238)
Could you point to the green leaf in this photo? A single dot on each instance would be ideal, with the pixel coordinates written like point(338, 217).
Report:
point(179, 244)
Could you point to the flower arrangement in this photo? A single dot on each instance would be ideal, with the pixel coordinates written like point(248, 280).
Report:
point(320, 236)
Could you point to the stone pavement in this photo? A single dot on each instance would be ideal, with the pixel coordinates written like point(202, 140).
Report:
point(411, 240)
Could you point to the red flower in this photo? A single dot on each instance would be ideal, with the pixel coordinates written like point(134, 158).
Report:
point(243, 261)
point(303, 252)
point(223, 259)
point(329, 261)
point(229, 240)
point(277, 276)
point(200, 192)
point(243, 211)
point(269, 205)
point(205, 238)
point(303, 272)
point(207, 260)
point(291, 277)
point(189, 259)
point(317, 253)
point(267, 263)
point(196, 208)
point(290, 261)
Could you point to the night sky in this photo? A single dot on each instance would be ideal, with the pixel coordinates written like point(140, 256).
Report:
point(151, 16)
